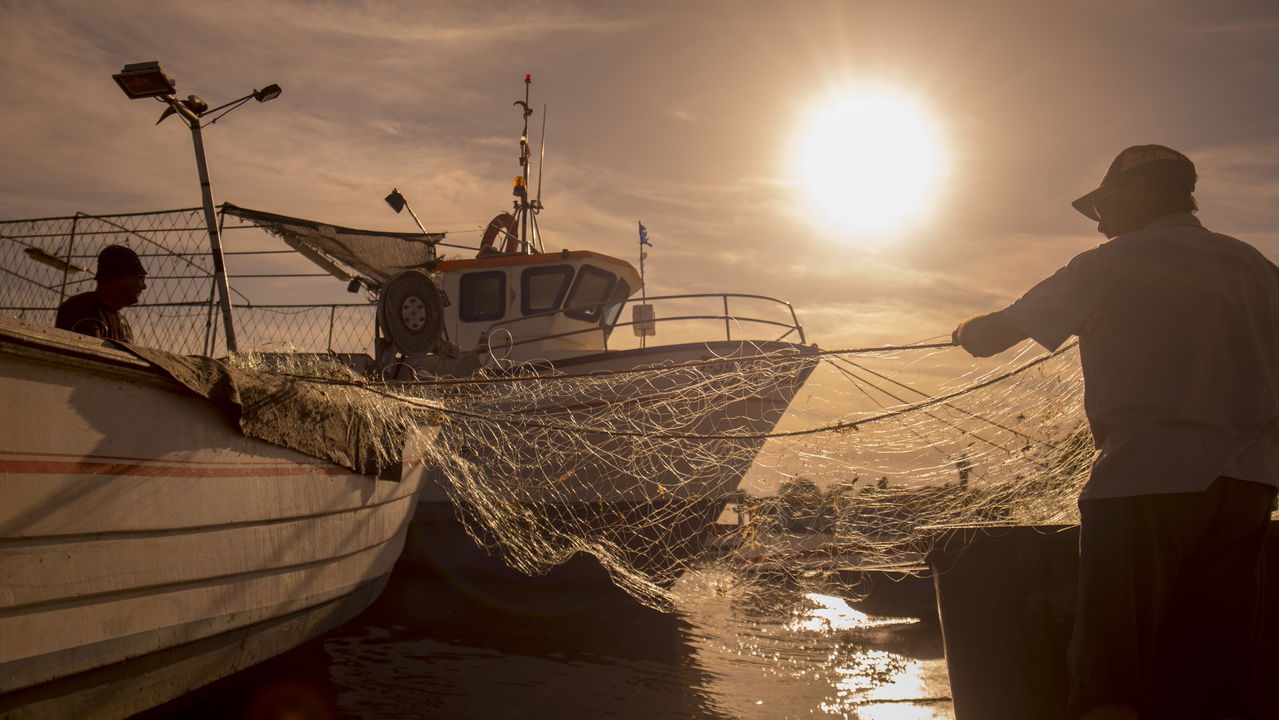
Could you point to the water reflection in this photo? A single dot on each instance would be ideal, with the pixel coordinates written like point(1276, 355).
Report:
point(443, 650)
point(433, 649)
point(834, 613)
point(783, 652)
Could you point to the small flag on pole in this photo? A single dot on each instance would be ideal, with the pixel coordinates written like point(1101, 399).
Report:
point(644, 235)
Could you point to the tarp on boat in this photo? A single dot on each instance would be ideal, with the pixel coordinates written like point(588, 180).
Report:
point(343, 424)
point(347, 252)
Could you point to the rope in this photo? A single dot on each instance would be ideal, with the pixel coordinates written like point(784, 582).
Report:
point(834, 427)
point(445, 382)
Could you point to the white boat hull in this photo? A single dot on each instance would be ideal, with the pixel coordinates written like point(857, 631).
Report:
point(148, 548)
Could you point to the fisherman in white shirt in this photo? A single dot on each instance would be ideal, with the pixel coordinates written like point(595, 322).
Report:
point(1179, 341)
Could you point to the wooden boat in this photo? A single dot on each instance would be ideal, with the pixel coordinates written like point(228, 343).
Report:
point(148, 547)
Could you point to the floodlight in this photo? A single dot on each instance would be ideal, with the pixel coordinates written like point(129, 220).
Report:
point(270, 92)
point(145, 79)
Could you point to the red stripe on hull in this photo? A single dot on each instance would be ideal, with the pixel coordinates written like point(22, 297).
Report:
point(64, 467)
point(78, 456)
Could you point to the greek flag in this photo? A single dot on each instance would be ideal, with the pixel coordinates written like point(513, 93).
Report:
point(644, 235)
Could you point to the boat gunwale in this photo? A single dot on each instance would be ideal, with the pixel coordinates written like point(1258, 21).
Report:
point(40, 343)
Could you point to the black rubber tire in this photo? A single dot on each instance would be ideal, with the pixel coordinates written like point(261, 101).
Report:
point(411, 313)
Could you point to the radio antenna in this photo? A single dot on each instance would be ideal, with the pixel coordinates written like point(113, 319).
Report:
point(541, 162)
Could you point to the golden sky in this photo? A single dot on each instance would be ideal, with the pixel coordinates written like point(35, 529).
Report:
point(679, 114)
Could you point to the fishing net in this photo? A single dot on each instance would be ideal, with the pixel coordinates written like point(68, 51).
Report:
point(760, 463)
point(674, 470)
point(710, 468)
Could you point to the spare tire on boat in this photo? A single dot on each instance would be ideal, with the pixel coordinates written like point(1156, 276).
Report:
point(410, 312)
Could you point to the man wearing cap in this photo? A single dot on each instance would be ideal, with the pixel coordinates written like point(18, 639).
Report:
point(1179, 341)
point(120, 281)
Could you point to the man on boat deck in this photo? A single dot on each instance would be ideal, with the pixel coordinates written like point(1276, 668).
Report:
point(1179, 340)
point(120, 281)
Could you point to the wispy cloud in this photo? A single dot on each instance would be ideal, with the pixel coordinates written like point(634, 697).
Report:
point(1238, 189)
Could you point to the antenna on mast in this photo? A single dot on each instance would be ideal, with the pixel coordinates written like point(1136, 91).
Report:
point(541, 162)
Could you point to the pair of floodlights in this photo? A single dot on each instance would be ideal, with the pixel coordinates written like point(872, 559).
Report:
point(146, 79)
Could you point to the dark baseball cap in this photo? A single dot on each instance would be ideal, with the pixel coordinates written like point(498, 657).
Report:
point(1173, 167)
point(117, 261)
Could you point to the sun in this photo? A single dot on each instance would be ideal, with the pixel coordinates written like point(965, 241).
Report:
point(869, 162)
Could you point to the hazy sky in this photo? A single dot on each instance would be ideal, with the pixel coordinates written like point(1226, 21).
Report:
point(682, 114)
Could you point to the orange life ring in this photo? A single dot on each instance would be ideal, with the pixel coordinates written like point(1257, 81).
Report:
point(503, 224)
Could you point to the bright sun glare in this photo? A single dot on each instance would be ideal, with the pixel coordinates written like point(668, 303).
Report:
point(870, 162)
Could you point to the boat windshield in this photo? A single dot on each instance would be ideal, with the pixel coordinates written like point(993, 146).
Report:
point(543, 288)
point(614, 308)
point(592, 287)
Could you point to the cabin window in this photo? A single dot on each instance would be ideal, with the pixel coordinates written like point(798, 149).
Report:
point(591, 288)
point(482, 296)
point(620, 293)
point(543, 288)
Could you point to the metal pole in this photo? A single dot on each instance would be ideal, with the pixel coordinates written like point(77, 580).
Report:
point(333, 312)
point(643, 283)
point(66, 271)
point(409, 207)
point(215, 238)
point(728, 330)
point(209, 328)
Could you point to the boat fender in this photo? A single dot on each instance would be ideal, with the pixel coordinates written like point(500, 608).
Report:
point(411, 312)
point(504, 226)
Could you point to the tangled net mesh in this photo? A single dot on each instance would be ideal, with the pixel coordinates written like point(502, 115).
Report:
point(698, 468)
point(860, 490)
point(796, 464)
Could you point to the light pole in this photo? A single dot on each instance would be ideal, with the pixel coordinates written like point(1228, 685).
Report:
point(142, 80)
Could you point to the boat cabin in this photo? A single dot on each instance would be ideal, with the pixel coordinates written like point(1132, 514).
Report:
point(535, 306)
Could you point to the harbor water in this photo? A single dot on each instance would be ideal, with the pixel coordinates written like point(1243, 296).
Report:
point(433, 647)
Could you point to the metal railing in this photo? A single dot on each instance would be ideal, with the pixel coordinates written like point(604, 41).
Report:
point(606, 330)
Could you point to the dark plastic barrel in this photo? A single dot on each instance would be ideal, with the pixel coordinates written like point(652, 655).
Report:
point(1005, 597)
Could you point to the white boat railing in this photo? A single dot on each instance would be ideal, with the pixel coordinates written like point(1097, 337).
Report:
point(728, 318)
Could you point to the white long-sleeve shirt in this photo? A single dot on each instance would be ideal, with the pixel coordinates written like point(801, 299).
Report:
point(1179, 342)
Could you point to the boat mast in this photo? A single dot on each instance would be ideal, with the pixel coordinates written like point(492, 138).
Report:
point(526, 211)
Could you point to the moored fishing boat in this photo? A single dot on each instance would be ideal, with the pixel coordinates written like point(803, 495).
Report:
point(148, 545)
point(553, 315)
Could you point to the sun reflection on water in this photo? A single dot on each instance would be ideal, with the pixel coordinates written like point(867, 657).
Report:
point(883, 686)
point(834, 613)
point(779, 655)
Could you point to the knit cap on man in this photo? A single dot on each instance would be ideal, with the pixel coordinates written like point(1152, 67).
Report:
point(118, 261)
